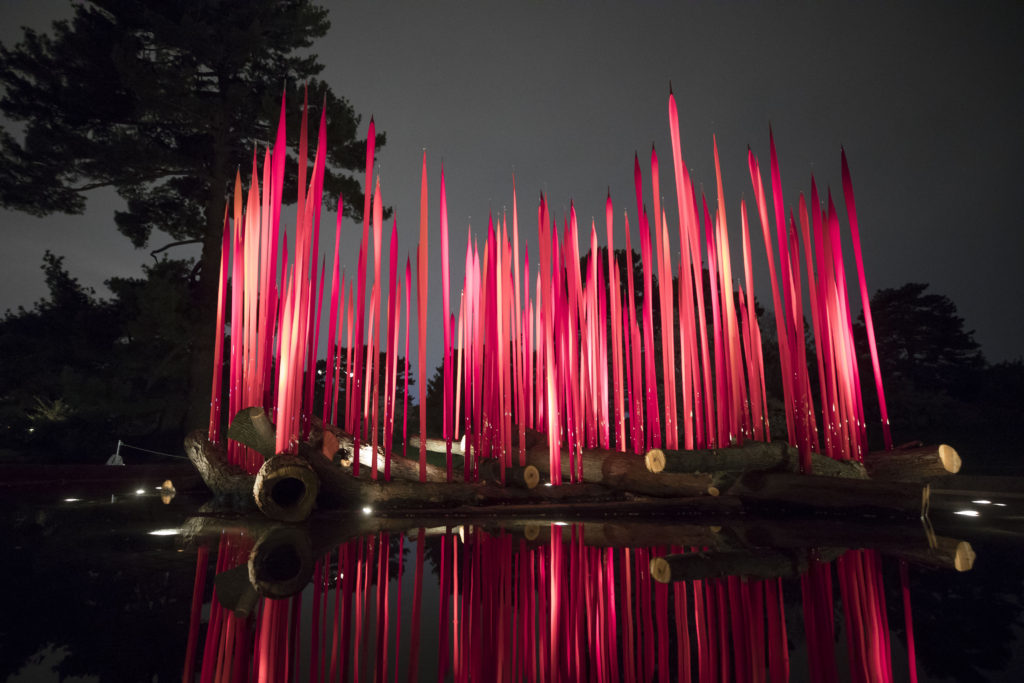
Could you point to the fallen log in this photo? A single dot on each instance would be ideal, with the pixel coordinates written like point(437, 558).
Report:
point(340, 490)
point(614, 469)
point(335, 440)
point(227, 482)
point(625, 472)
point(752, 455)
point(286, 488)
point(913, 464)
point(520, 477)
point(252, 427)
point(758, 455)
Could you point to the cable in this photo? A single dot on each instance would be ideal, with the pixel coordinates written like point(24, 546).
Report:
point(146, 450)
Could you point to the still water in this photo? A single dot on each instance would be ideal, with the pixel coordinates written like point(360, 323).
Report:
point(127, 588)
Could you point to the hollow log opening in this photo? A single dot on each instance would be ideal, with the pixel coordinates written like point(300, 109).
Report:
point(286, 488)
point(287, 492)
point(282, 561)
point(280, 564)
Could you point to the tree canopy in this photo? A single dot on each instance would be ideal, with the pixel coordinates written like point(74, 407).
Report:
point(932, 368)
point(82, 372)
point(163, 100)
point(921, 338)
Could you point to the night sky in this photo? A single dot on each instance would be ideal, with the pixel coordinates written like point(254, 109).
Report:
point(927, 99)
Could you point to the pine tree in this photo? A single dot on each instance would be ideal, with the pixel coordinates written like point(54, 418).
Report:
point(163, 100)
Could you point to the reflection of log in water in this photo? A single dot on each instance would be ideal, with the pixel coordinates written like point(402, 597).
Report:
point(914, 543)
point(568, 600)
point(759, 564)
point(281, 562)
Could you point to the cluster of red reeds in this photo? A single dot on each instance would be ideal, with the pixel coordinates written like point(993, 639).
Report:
point(578, 359)
point(575, 360)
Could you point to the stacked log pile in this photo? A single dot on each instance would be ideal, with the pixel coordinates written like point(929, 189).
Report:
point(757, 474)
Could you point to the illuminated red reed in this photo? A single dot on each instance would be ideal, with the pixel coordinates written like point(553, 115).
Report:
point(423, 280)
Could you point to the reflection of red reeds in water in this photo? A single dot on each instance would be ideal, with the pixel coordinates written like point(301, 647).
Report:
point(569, 350)
point(545, 605)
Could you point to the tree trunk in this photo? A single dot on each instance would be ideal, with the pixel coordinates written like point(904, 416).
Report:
point(204, 306)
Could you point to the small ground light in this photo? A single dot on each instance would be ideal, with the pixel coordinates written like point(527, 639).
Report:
point(139, 492)
point(72, 500)
point(968, 513)
point(367, 510)
point(165, 532)
point(982, 502)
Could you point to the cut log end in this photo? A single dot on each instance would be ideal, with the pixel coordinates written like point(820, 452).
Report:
point(661, 571)
point(527, 477)
point(281, 563)
point(531, 476)
point(286, 488)
point(655, 460)
point(949, 458)
point(963, 560)
point(253, 428)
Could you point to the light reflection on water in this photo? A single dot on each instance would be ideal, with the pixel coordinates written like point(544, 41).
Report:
point(363, 598)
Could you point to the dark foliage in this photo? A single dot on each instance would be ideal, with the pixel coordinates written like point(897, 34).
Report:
point(163, 101)
point(938, 385)
point(82, 372)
